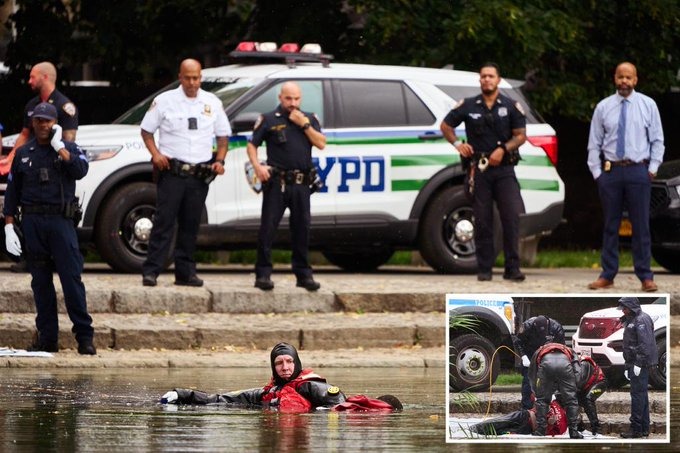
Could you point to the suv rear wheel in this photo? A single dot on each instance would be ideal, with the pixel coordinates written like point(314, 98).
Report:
point(447, 233)
point(124, 226)
point(657, 377)
point(670, 259)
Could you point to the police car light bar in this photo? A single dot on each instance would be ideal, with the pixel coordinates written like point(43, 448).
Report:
point(289, 52)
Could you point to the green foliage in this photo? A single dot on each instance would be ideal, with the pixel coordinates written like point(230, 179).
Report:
point(566, 49)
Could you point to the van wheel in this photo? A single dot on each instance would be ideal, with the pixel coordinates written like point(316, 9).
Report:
point(447, 233)
point(657, 378)
point(470, 363)
point(124, 225)
point(367, 260)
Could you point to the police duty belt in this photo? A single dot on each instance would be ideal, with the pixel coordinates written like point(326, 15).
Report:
point(202, 171)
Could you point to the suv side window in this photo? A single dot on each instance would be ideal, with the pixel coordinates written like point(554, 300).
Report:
point(312, 98)
point(371, 103)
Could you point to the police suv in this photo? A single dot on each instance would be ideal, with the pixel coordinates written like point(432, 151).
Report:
point(391, 182)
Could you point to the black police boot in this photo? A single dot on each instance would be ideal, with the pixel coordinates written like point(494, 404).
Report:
point(86, 347)
point(45, 346)
point(574, 434)
point(191, 281)
point(264, 283)
point(308, 283)
point(484, 276)
point(515, 276)
point(149, 280)
point(633, 435)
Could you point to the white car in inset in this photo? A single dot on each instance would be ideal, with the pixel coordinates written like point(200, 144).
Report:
point(600, 335)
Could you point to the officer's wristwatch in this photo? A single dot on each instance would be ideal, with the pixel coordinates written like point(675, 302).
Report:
point(306, 126)
point(220, 161)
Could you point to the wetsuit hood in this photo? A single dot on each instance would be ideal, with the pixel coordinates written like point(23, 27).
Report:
point(632, 303)
point(285, 349)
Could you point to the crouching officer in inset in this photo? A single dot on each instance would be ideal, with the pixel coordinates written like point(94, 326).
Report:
point(534, 333)
point(554, 367)
point(42, 182)
point(590, 385)
point(290, 134)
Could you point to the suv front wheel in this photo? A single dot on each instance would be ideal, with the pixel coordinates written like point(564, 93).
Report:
point(447, 233)
point(124, 226)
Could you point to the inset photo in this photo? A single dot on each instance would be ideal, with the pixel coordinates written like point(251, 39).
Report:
point(558, 368)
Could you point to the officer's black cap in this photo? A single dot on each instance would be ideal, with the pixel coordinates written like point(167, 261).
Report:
point(45, 110)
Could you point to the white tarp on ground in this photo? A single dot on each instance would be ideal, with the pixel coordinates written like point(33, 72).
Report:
point(459, 428)
point(5, 352)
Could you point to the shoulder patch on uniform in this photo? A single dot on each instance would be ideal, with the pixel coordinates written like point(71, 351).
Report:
point(518, 106)
point(69, 108)
point(258, 122)
point(333, 390)
point(458, 104)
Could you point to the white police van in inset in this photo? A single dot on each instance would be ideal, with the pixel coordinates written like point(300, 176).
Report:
point(391, 181)
point(479, 326)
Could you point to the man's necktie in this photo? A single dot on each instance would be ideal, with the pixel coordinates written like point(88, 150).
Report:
point(621, 133)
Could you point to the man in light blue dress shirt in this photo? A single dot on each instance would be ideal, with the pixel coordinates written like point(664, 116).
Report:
point(625, 149)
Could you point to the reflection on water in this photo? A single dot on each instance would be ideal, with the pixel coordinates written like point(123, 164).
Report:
point(105, 410)
point(117, 410)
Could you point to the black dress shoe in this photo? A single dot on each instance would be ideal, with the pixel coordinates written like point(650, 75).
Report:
point(43, 346)
point(574, 434)
point(191, 281)
point(308, 283)
point(149, 280)
point(633, 435)
point(264, 283)
point(484, 277)
point(515, 276)
point(86, 348)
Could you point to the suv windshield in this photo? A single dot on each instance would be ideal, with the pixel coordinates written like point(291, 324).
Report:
point(228, 90)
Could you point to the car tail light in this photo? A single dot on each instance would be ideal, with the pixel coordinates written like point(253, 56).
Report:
point(598, 327)
point(549, 145)
point(289, 47)
point(246, 46)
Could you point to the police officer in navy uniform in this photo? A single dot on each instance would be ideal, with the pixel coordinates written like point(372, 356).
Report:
point(42, 183)
point(495, 127)
point(189, 119)
point(290, 134)
point(42, 80)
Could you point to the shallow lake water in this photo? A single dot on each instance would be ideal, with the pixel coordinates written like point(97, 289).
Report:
point(118, 410)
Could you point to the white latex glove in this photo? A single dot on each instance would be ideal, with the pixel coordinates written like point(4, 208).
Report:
point(12, 242)
point(636, 370)
point(170, 397)
point(525, 361)
point(55, 141)
point(625, 373)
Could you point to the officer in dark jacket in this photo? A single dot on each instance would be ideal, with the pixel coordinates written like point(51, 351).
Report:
point(290, 134)
point(590, 385)
point(42, 182)
point(532, 334)
point(495, 127)
point(554, 367)
point(640, 354)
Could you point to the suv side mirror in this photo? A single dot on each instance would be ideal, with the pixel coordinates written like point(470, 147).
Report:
point(244, 122)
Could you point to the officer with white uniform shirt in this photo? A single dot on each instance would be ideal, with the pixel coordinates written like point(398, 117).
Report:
point(188, 118)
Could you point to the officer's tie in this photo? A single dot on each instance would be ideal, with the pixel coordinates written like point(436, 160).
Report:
point(621, 132)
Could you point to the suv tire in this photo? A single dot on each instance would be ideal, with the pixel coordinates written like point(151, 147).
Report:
point(470, 363)
point(129, 207)
point(447, 233)
point(670, 259)
point(657, 376)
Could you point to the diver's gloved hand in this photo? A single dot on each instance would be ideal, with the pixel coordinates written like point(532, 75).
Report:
point(525, 361)
point(625, 373)
point(636, 370)
point(170, 397)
